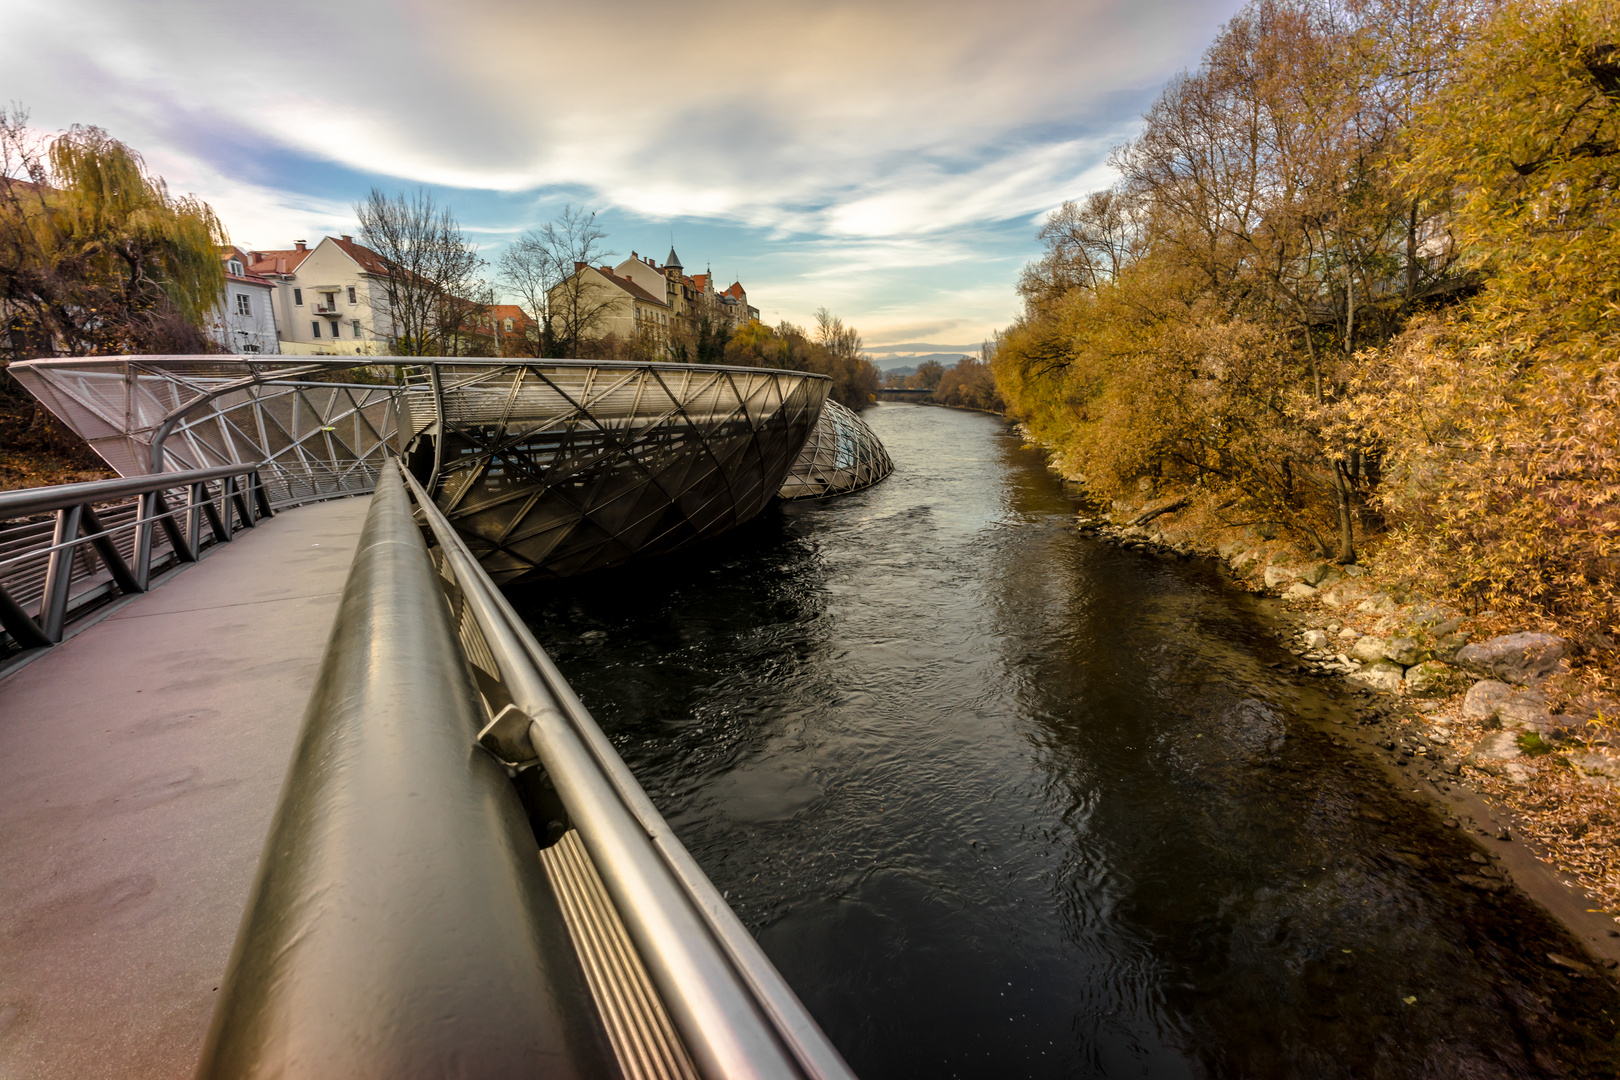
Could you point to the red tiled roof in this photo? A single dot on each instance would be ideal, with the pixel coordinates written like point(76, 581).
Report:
point(231, 251)
point(736, 290)
point(279, 262)
point(631, 287)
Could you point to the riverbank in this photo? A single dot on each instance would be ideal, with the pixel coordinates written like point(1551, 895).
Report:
point(1492, 727)
point(1489, 720)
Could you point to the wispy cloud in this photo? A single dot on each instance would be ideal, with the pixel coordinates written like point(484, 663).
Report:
point(886, 156)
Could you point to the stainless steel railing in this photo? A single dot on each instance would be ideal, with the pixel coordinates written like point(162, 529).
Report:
point(734, 1013)
point(65, 549)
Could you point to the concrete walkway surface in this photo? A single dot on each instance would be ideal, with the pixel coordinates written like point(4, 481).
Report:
point(140, 764)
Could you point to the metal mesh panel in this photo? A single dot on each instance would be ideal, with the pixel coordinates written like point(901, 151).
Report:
point(548, 468)
point(841, 455)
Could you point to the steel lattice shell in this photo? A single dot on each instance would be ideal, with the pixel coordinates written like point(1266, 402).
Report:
point(841, 455)
point(549, 468)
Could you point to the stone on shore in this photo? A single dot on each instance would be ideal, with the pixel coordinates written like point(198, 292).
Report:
point(1316, 640)
point(1405, 651)
point(1382, 676)
point(1369, 649)
point(1317, 575)
point(1484, 698)
point(1276, 576)
point(1299, 591)
point(1526, 709)
point(1522, 658)
point(1426, 676)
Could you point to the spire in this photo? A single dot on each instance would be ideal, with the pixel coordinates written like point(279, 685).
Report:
point(674, 260)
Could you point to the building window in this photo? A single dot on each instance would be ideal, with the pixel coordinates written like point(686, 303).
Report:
point(234, 267)
point(351, 295)
point(244, 306)
point(508, 326)
point(298, 297)
point(315, 328)
point(354, 324)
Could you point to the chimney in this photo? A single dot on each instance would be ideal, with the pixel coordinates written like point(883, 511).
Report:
point(578, 267)
point(255, 256)
point(348, 238)
point(299, 244)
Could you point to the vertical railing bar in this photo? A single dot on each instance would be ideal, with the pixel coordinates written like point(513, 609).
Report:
point(194, 503)
point(146, 507)
point(59, 572)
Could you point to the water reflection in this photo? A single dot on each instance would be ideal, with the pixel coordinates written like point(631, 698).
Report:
point(1002, 801)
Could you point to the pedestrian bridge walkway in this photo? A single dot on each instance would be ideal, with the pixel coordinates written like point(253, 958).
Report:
point(140, 764)
point(313, 802)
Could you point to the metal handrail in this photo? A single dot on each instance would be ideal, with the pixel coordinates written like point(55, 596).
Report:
point(400, 923)
point(736, 1014)
point(78, 524)
point(27, 502)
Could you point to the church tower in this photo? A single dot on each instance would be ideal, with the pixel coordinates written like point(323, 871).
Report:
point(675, 295)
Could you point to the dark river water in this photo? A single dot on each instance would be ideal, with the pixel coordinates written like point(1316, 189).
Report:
point(1001, 800)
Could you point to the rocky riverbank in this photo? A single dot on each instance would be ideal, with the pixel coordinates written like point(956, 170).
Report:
point(1442, 696)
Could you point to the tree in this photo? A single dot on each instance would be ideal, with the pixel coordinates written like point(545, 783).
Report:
point(430, 271)
point(96, 255)
point(1502, 415)
point(930, 373)
point(542, 270)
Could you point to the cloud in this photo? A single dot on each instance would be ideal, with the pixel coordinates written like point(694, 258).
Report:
point(854, 138)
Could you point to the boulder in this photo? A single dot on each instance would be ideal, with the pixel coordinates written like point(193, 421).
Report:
point(1353, 571)
point(1380, 604)
point(1426, 676)
point(1332, 599)
point(1484, 698)
point(1446, 648)
point(1299, 591)
point(1316, 575)
point(1228, 548)
point(1523, 657)
point(1369, 649)
point(1243, 560)
point(1598, 767)
point(1315, 640)
point(1382, 676)
point(1349, 633)
point(1527, 709)
point(1405, 651)
point(1387, 624)
point(1277, 576)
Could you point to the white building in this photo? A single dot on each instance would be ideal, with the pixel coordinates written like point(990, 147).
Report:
point(245, 320)
point(331, 299)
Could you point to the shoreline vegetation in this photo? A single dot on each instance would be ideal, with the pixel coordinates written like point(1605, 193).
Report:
point(1348, 324)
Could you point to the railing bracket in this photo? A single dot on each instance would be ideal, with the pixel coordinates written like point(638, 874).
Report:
point(507, 738)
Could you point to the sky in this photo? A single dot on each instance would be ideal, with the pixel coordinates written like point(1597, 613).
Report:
point(890, 161)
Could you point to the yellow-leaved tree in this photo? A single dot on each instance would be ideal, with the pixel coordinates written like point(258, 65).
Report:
point(1501, 417)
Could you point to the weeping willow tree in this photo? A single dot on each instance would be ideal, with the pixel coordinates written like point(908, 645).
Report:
point(96, 254)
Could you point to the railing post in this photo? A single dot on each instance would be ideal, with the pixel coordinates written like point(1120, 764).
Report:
point(244, 506)
point(194, 502)
point(19, 624)
point(220, 527)
point(261, 495)
point(177, 533)
point(109, 555)
point(146, 509)
point(59, 572)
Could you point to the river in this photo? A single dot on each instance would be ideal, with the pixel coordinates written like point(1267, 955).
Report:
point(1002, 800)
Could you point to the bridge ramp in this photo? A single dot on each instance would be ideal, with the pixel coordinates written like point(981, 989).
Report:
point(140, 763)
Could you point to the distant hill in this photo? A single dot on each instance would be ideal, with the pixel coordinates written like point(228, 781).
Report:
point(912, 362)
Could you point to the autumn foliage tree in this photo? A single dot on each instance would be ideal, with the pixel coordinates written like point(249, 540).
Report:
point(1501, 417)
point(1199, 323)
point(1360, 269)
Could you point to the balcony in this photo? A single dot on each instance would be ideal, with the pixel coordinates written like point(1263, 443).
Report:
point(328, 308)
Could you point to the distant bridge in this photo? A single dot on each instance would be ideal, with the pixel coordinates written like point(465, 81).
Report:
point(905, 394)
